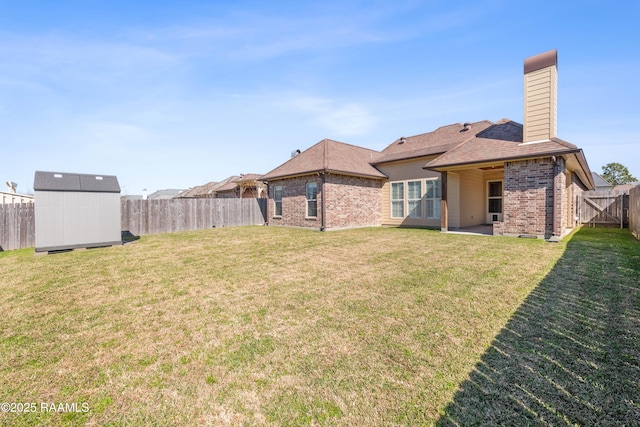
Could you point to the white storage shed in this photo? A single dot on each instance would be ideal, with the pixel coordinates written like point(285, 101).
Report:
point(76, 211)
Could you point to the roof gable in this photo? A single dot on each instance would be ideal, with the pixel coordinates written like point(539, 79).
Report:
point(439, 141)
point(500, 141)
point(599, 181)
point(329, 156)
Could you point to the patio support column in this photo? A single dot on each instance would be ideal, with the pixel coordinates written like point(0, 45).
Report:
point(444, 211)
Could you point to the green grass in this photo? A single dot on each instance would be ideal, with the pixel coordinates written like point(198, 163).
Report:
point(274, 326)
point(571, 353)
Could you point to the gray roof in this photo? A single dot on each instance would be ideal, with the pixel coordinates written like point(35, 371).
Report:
point(62, 181)
point(600, 181)
point(168, 193)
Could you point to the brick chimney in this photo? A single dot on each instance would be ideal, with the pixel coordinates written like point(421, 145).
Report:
point(541, 97)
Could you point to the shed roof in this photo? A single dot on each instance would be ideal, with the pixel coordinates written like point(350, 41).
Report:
point(79, 182)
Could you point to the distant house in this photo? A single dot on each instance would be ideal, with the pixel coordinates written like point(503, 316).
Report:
point(600, 183)
point(199, 191)
point(251, 187)
point(164, 194)
point(11, 196)
point(236, 186)
point(520, 180)
point(624, 188)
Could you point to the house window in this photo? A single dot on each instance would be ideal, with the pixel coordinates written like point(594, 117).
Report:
point(277, 198)
point(432, 198)
point(312, 199)
point(397, 199)
point(414, 199)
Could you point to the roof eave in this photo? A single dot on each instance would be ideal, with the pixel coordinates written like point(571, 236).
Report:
point(399, 159)
point(322, 171)
point(440, 168)
point(585, 168)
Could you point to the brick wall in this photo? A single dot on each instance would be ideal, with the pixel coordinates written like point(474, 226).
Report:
point(528, 197)
point(351, 202)
point(294, 202)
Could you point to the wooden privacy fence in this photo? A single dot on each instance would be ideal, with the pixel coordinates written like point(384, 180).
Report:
point(17, 226)
point(634, 211)
point(604, 208)
point(142, 217)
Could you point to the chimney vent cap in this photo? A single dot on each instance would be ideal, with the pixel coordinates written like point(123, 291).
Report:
point(540, 61)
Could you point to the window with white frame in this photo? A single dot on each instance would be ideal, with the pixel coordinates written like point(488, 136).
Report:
point(432, 198)
point(312, 199)
point(277, 198)
point(397, 199)
point(414, 199)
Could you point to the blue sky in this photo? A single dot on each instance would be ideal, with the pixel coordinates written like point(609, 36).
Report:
point(173, 94)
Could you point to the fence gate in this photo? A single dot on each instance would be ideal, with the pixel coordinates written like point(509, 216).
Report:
point(604, 208)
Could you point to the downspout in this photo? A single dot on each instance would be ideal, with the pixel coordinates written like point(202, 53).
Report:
point(323, 209)
point(266, 220)
point(553, 199)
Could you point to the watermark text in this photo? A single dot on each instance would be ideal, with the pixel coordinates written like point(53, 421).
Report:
point(62, 407)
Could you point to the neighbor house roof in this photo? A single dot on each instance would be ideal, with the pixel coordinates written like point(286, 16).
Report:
point(248, 177)
point(329, 156)
point(168, 193)
point(624, 188)
point(64, 181)
point(207, 190)
point(437, 142)
point(600, 182)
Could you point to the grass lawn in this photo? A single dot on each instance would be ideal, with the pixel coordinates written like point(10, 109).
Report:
point(275, 326)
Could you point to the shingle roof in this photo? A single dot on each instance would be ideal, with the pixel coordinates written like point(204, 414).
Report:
point(439, 141)
point(63, 181)
point(228, 186)
point(206, 190)
point(246, 177)
point(329, 156)
point(599, 181)
point(500, 141)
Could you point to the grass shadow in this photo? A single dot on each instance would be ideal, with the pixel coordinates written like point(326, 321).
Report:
point(570, 355)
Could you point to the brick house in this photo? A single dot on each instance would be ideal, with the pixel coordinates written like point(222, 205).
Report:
point(520, 179)
point(329, 186)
